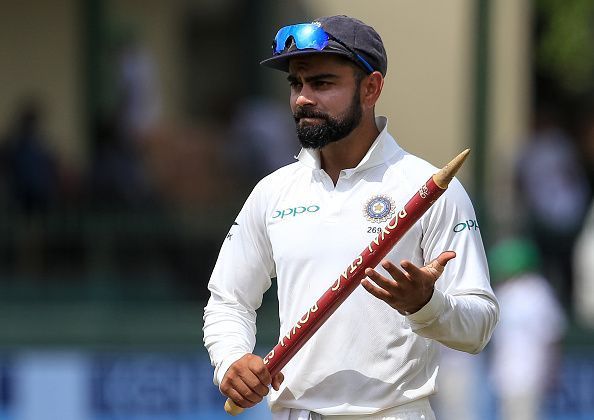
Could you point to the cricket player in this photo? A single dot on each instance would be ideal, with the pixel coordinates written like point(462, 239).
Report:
point(376, 356)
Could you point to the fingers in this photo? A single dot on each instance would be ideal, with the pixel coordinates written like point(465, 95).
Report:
point(435, 267)
point(384, 288)
point(397, 274)
point(393, 285)
point(242, 396)
point(252, 388)
point(410, 269)
point(406, 288)
point(382, 281)
point(376, 291)
point(257, 368)
point(246, 381)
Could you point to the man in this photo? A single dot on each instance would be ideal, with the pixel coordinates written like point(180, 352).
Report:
point(375, 357)
point(524, 357)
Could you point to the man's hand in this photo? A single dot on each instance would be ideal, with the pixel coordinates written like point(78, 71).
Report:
point(247, 380)
point(409, 289)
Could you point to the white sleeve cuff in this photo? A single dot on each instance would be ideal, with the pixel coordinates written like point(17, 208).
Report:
point(222, 368)
point(428, 313)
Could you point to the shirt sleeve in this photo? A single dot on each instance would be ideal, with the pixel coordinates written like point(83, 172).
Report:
point(463, 310)
point(241, 275)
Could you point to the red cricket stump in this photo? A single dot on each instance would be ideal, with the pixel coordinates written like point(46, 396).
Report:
point(350, 278)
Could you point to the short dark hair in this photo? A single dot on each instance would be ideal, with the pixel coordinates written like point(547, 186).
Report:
point(358, 71)
point(359, 74)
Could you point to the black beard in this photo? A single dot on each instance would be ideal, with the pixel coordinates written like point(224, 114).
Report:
point(316, 136)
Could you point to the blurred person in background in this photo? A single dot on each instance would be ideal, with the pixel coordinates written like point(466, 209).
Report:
point(117, 178)
point(553, 187)
point(262, 138)
point(585, 136)
point(525, 346)
point(583, 265)
point(460, 385)
point(30, 168)
point(583, 254)
point(30, 171)
point(137, 85)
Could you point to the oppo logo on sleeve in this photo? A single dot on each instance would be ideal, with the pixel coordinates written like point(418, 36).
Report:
point(468, 225)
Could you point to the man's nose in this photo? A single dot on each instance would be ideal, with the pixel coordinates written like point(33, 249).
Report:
point(305, 97)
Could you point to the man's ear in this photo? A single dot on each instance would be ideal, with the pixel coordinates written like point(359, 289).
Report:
point(371, 89)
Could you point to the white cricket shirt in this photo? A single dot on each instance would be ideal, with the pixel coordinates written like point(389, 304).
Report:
point(299, 227)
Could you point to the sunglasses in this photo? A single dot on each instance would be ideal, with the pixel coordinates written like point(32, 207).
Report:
point(310, 35)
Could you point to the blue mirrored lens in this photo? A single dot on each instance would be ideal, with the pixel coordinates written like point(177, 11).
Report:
point(305, 35)
point(309, 35)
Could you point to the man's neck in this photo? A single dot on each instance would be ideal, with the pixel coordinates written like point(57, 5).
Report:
point(349, 151)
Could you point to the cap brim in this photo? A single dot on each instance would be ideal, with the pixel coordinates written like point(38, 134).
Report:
point(281, 61)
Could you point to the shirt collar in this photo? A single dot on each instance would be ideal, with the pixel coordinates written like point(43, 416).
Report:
point(383, 148)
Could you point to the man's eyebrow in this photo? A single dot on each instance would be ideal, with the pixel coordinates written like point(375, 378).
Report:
point(308, 79)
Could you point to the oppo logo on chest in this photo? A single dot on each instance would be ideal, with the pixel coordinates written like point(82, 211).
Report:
point(295, 211)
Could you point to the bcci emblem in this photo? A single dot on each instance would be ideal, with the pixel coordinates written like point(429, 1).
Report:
point(379, 208)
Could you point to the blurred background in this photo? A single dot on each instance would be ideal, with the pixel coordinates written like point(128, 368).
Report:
point(132, 131)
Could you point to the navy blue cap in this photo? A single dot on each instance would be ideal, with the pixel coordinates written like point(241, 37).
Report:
point(355, 34)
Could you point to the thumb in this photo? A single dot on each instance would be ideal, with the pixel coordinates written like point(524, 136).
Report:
point(436, 267)
point(277, 381)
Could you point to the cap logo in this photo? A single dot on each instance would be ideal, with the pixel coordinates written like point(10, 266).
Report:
point(379, 209)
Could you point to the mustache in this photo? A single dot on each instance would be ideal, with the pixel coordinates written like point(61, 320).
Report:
point(301, 112)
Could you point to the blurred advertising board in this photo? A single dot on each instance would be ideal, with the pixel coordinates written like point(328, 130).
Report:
point(136, 385)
